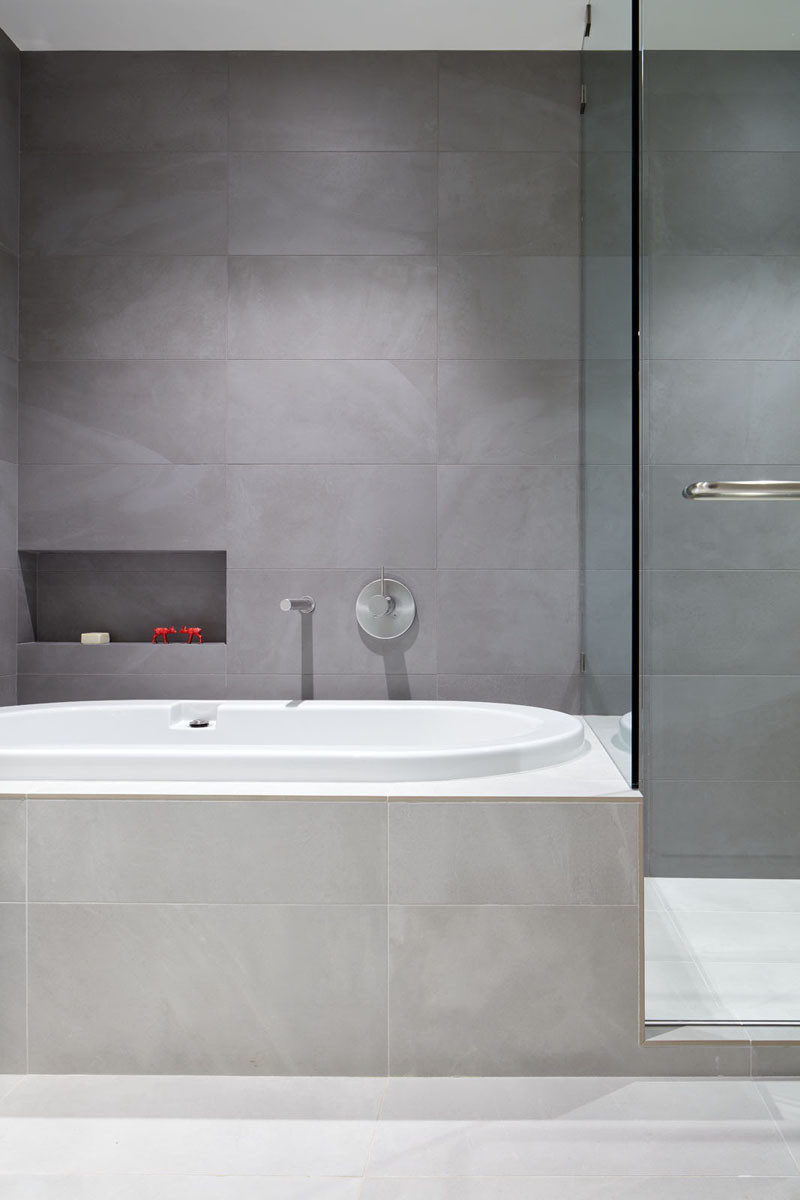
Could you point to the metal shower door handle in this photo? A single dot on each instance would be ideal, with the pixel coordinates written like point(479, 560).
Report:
point(743, 489)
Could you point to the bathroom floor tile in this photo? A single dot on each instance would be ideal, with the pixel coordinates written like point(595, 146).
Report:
point(176, 1187)
point(561, 1188)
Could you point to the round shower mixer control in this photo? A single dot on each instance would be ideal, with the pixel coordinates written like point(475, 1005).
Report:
point(385, 608)
point(381, 606)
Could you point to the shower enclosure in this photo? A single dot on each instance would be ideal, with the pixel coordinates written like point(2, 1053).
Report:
point(720, 323)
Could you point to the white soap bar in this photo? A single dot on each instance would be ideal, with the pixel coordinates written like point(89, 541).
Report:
point(95, 639)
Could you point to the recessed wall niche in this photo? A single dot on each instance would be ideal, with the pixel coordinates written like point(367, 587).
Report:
point(66, 593)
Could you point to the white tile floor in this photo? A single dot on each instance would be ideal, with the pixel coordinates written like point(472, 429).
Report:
point(202, 1138)
point(722, 950)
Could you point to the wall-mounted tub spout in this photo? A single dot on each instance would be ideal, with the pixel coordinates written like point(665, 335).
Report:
point(303, 604)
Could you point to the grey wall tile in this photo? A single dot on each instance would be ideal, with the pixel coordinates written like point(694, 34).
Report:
point(607, 286)
point(488, 990)
point(8, 516)
point(348, 412)
point(696, 536)
point(326, 203)
point(472, 602)
point(724, 727)
point(712, 100)
point(500, 203)
point(9, 314)
point(262, 640)
point(12, 988)
point(208, 852)
point(52, 689)
point(508, 412)
point(8, 621)
point(120, 658)
point(123, 412)
point(9, 145)
point(731, 829)
point(9, 399)
point(561, 692)
point(606, 411)
point(606, 203)
point(742, 412)
point(124, 101)
point(8, 689)
point(105, 507)
point(608, 121)
point(513, 853)
point(725, 306)
point(508, 101)
point(508, 307)
point(507, 516)
point(332, 307)
point(126, 594)
point(12, 849)
point(723, 622)
point(230, 989)
point(742, 203)
point(332, 516)
point(608, 541)
point(332, 687)
point(149, 203)
point(334, 101)
point(607, 622)
point(111, 307)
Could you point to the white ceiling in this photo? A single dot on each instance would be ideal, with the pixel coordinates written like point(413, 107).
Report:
point(300, 24)
point(395, 24)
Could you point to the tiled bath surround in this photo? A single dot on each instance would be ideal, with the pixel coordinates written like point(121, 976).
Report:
point(722, 581)
point(352, 936)
point(9, 354)
point(321, 312)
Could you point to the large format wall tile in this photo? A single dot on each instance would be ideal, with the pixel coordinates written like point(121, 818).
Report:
point(124, 101)
point(331, 687)
point(724, 727)
point(607, 608)
point(607, 532)
point(326, 203)
point(704, 203)
point(208, 989)
point(108, 507)
point(296, 306)
point(606, 204)
point(118, 658)
point(331, 516)
point(490, 990)
point(12, 989)
point(608, 82)
point(725, 306)
point(264, 640)
point(508, 204)
point(724, 622)
point(562, 692)
point(716, 101)
point(122, 412)
point(499, 516)
point(9, 312)
point(473, 603)
point(738, 412)
point(503, 306)
point(9, 403)
point(124, 203)
point(8, 619)
point(208, 852)
point(9, 144)
point(508, 101)
point(12, 849)
point(508, 412)
point(534, 853)
point(8, 516)
point(107, 307)
point(51, 689)
point(347, 412)
point(334, 101)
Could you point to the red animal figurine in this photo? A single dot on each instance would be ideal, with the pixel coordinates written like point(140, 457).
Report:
point(161, 631)
point(194, 631)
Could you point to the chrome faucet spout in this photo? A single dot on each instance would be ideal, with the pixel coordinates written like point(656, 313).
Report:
point(302, 604)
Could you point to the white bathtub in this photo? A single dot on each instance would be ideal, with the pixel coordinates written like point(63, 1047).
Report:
point(279, 740)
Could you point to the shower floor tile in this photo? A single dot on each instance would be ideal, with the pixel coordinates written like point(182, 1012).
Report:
point(722, 950)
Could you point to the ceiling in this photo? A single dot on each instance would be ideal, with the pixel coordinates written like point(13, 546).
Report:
point(304, 24)
point(395, 24)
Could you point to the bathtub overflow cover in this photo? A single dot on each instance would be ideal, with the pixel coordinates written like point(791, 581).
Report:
point(199, 723)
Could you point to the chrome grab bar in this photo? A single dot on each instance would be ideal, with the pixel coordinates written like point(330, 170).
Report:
point(744, 489)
